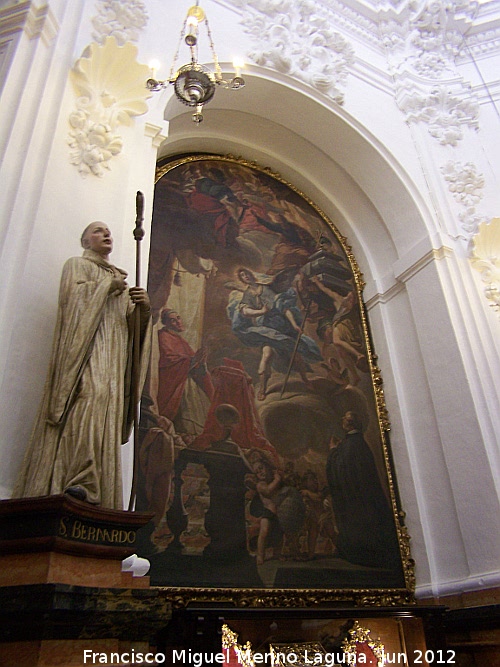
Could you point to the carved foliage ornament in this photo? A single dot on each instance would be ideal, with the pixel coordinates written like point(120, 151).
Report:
point(243, 653)
point(358, 649)
point(444, 112)
point(296, 38)
point(423, 41)
point(121, 19)
point(485, 258)
point(466, 185)
point(426, 35)
point(437, 34)
point(110, 85)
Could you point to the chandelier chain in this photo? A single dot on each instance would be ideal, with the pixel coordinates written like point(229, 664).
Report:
point(176, 56)
point(218, 71)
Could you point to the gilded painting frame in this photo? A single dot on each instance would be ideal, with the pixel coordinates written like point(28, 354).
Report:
point(261, 350)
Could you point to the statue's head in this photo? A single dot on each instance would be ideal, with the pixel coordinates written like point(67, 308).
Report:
point(97, 237)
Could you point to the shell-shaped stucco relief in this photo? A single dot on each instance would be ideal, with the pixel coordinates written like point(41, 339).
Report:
point(111, 89)
point(485, 258)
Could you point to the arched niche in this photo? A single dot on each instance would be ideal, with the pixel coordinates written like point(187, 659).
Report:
point(324, 151)
point(379, 205)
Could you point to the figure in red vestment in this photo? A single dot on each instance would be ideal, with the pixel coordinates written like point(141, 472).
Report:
point(180, 367)
point(233, 386)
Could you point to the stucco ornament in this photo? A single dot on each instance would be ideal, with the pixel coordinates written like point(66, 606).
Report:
point(296, 38)
point(423, 39)
point(111, 90)
point(444, 112)
point(436, 35)
point(121, 19)
point(485, 258)
point(466, 185)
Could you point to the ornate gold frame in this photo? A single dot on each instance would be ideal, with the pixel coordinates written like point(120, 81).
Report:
point(251, 597)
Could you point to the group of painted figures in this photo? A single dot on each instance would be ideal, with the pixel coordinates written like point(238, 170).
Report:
point(341, 510)
point(289, 515)
point(350, 513)
point(87, 406)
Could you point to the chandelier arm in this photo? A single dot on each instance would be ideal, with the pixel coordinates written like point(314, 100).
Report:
point(218, 71)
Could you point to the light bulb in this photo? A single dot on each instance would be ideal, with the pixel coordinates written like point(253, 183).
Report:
point(238, 63)
point(154, 66)
point(192, 29)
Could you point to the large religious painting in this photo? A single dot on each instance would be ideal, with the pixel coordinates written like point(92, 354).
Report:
point(263, 436)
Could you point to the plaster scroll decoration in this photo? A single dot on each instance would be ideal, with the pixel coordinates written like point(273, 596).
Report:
point(437, 34)
point(466, 186)
point(121, 19)
point(445, 112)
point(423, 40)
point(485, 258)
point(425, 36)
point(110, 84)
point(296, 38)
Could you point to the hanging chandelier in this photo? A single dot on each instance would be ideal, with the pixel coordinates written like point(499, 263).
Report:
point(195, 84)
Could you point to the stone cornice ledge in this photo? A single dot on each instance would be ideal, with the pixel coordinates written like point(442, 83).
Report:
point(473, 583)
point(13, 18)
point(41, 22)
point(389, 285)
point(381, 291)
point(155, 133)
point(35, 20)
point(417, 258)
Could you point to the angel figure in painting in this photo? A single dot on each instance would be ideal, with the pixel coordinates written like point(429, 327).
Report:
point(269, 319)
point(328, 284)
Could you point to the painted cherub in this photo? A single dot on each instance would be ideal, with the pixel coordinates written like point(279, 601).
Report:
point(269, 481)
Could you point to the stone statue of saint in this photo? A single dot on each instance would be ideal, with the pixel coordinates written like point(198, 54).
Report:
point(87, 408)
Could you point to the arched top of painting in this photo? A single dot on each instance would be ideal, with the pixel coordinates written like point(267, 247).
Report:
point(264, 191)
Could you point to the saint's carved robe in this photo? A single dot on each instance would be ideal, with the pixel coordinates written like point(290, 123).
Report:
point(87, 411)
